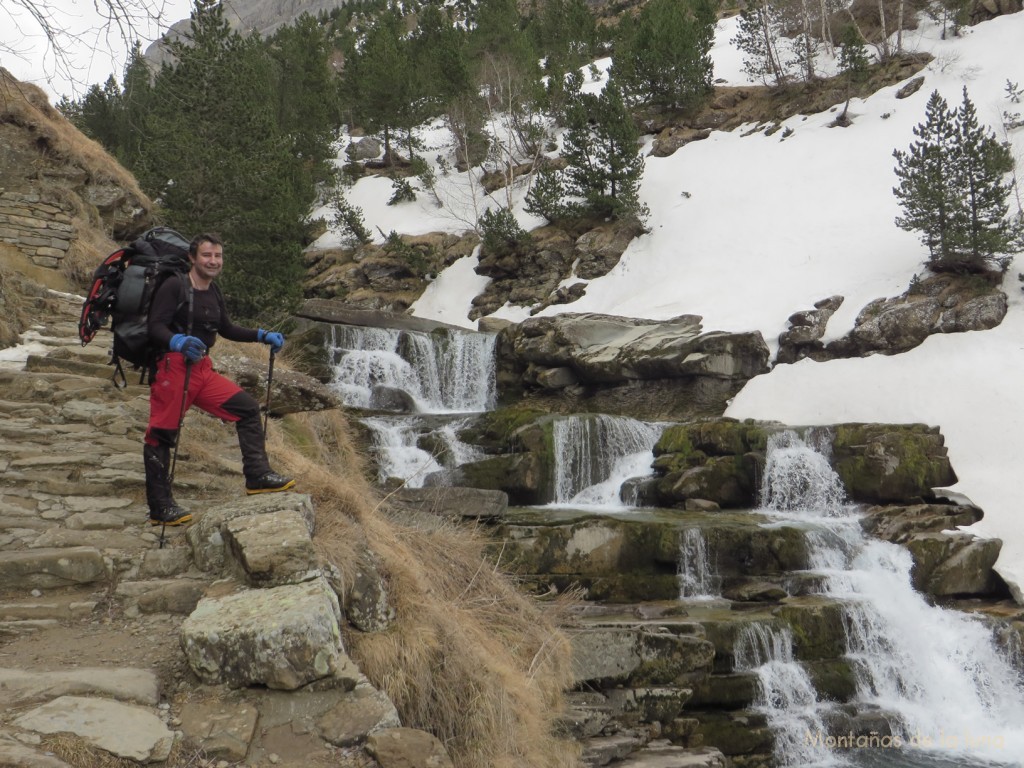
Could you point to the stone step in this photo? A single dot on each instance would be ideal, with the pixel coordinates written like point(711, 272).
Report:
point(49, 568)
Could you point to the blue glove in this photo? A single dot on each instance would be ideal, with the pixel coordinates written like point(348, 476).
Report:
point(192, 348)
point(273, 338)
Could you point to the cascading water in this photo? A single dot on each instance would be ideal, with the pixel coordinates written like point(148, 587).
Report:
point(397, 451)
point(451, 372)
point(785, 693)
point(697, 578)
point(950, 696)
point(443, 373)
point(595, 454)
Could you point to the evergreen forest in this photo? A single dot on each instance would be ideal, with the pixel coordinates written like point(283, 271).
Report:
point(237, 134)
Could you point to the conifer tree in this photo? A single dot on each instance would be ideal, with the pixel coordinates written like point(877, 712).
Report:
point(664, 56)
point(953, 190)
point(217, 160)
point(600, 145)
point(378, 80)
point(984, 163)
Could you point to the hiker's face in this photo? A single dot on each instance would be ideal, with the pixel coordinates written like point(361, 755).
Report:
point(208, 261)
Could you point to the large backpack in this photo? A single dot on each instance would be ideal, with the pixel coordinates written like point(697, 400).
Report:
point(122, 290)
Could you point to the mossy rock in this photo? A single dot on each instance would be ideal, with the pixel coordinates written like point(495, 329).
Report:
point(521, 476)
point(729, 481)
point(735, 733)
point(833, 679)
point(496, 431)
point(882, 463)
point(819, 629)
point(714, 437)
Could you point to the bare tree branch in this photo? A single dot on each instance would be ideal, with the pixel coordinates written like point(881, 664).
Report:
point(49, 30)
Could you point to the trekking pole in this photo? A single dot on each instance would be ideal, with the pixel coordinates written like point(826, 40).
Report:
point(177, 438)
point(181, 420)
point(266, 408)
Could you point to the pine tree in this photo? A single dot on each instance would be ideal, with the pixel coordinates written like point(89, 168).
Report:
point(378, 81)
point(926, 191)
point(600, 145)
point(953, 190)
point(218, 160)
point(664, 57)
point(983, 165)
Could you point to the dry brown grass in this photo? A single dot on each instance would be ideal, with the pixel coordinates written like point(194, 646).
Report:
point(469, 658)
point(28, 106)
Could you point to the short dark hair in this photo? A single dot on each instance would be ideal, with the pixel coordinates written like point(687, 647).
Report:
point(206, 237)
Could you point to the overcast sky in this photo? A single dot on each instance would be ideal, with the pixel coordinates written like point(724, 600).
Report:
point(95, 47)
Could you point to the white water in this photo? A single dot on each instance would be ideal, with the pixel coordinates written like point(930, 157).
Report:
point(786, 694)
point(449, 372)
point(397, 454)
point(596, 454)
point(948, 691)
point(697, 577)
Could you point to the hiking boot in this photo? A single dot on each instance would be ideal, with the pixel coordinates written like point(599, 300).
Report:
point(271, 482)
point(172, 515)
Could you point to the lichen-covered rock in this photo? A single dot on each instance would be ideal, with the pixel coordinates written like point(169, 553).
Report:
point(271, 549)
point(284, 637)
point(205, 535)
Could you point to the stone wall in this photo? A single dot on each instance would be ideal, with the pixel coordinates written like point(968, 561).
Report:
point(41, 230)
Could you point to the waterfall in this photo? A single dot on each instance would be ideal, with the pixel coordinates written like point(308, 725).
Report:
point(785, 694)
point(595, 454)
point(444, 372)
point(396, 449)
point(697, 578)
point(937, 675)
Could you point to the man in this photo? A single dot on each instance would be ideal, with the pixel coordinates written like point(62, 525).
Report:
point(185, 318)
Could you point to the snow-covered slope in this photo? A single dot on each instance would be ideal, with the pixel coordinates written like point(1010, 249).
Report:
point(770, 225)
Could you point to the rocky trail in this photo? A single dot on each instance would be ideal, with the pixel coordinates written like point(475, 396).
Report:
point(91, 604)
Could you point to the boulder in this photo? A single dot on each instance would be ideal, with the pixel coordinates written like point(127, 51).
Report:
point(603, 349)
point(955, 564)
point(229, 640)
point(407, 748)
point(944, 303)
point(205, 535)
point(881, 463)
point(271, 549)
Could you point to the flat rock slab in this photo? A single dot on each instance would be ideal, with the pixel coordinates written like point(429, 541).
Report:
point(17, 755)
point(47, 568)
point(223, 728)
point(123, 683)
point(283, 637)
point(124, 730)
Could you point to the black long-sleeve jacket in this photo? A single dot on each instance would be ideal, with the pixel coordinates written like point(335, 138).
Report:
point(168, 314)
